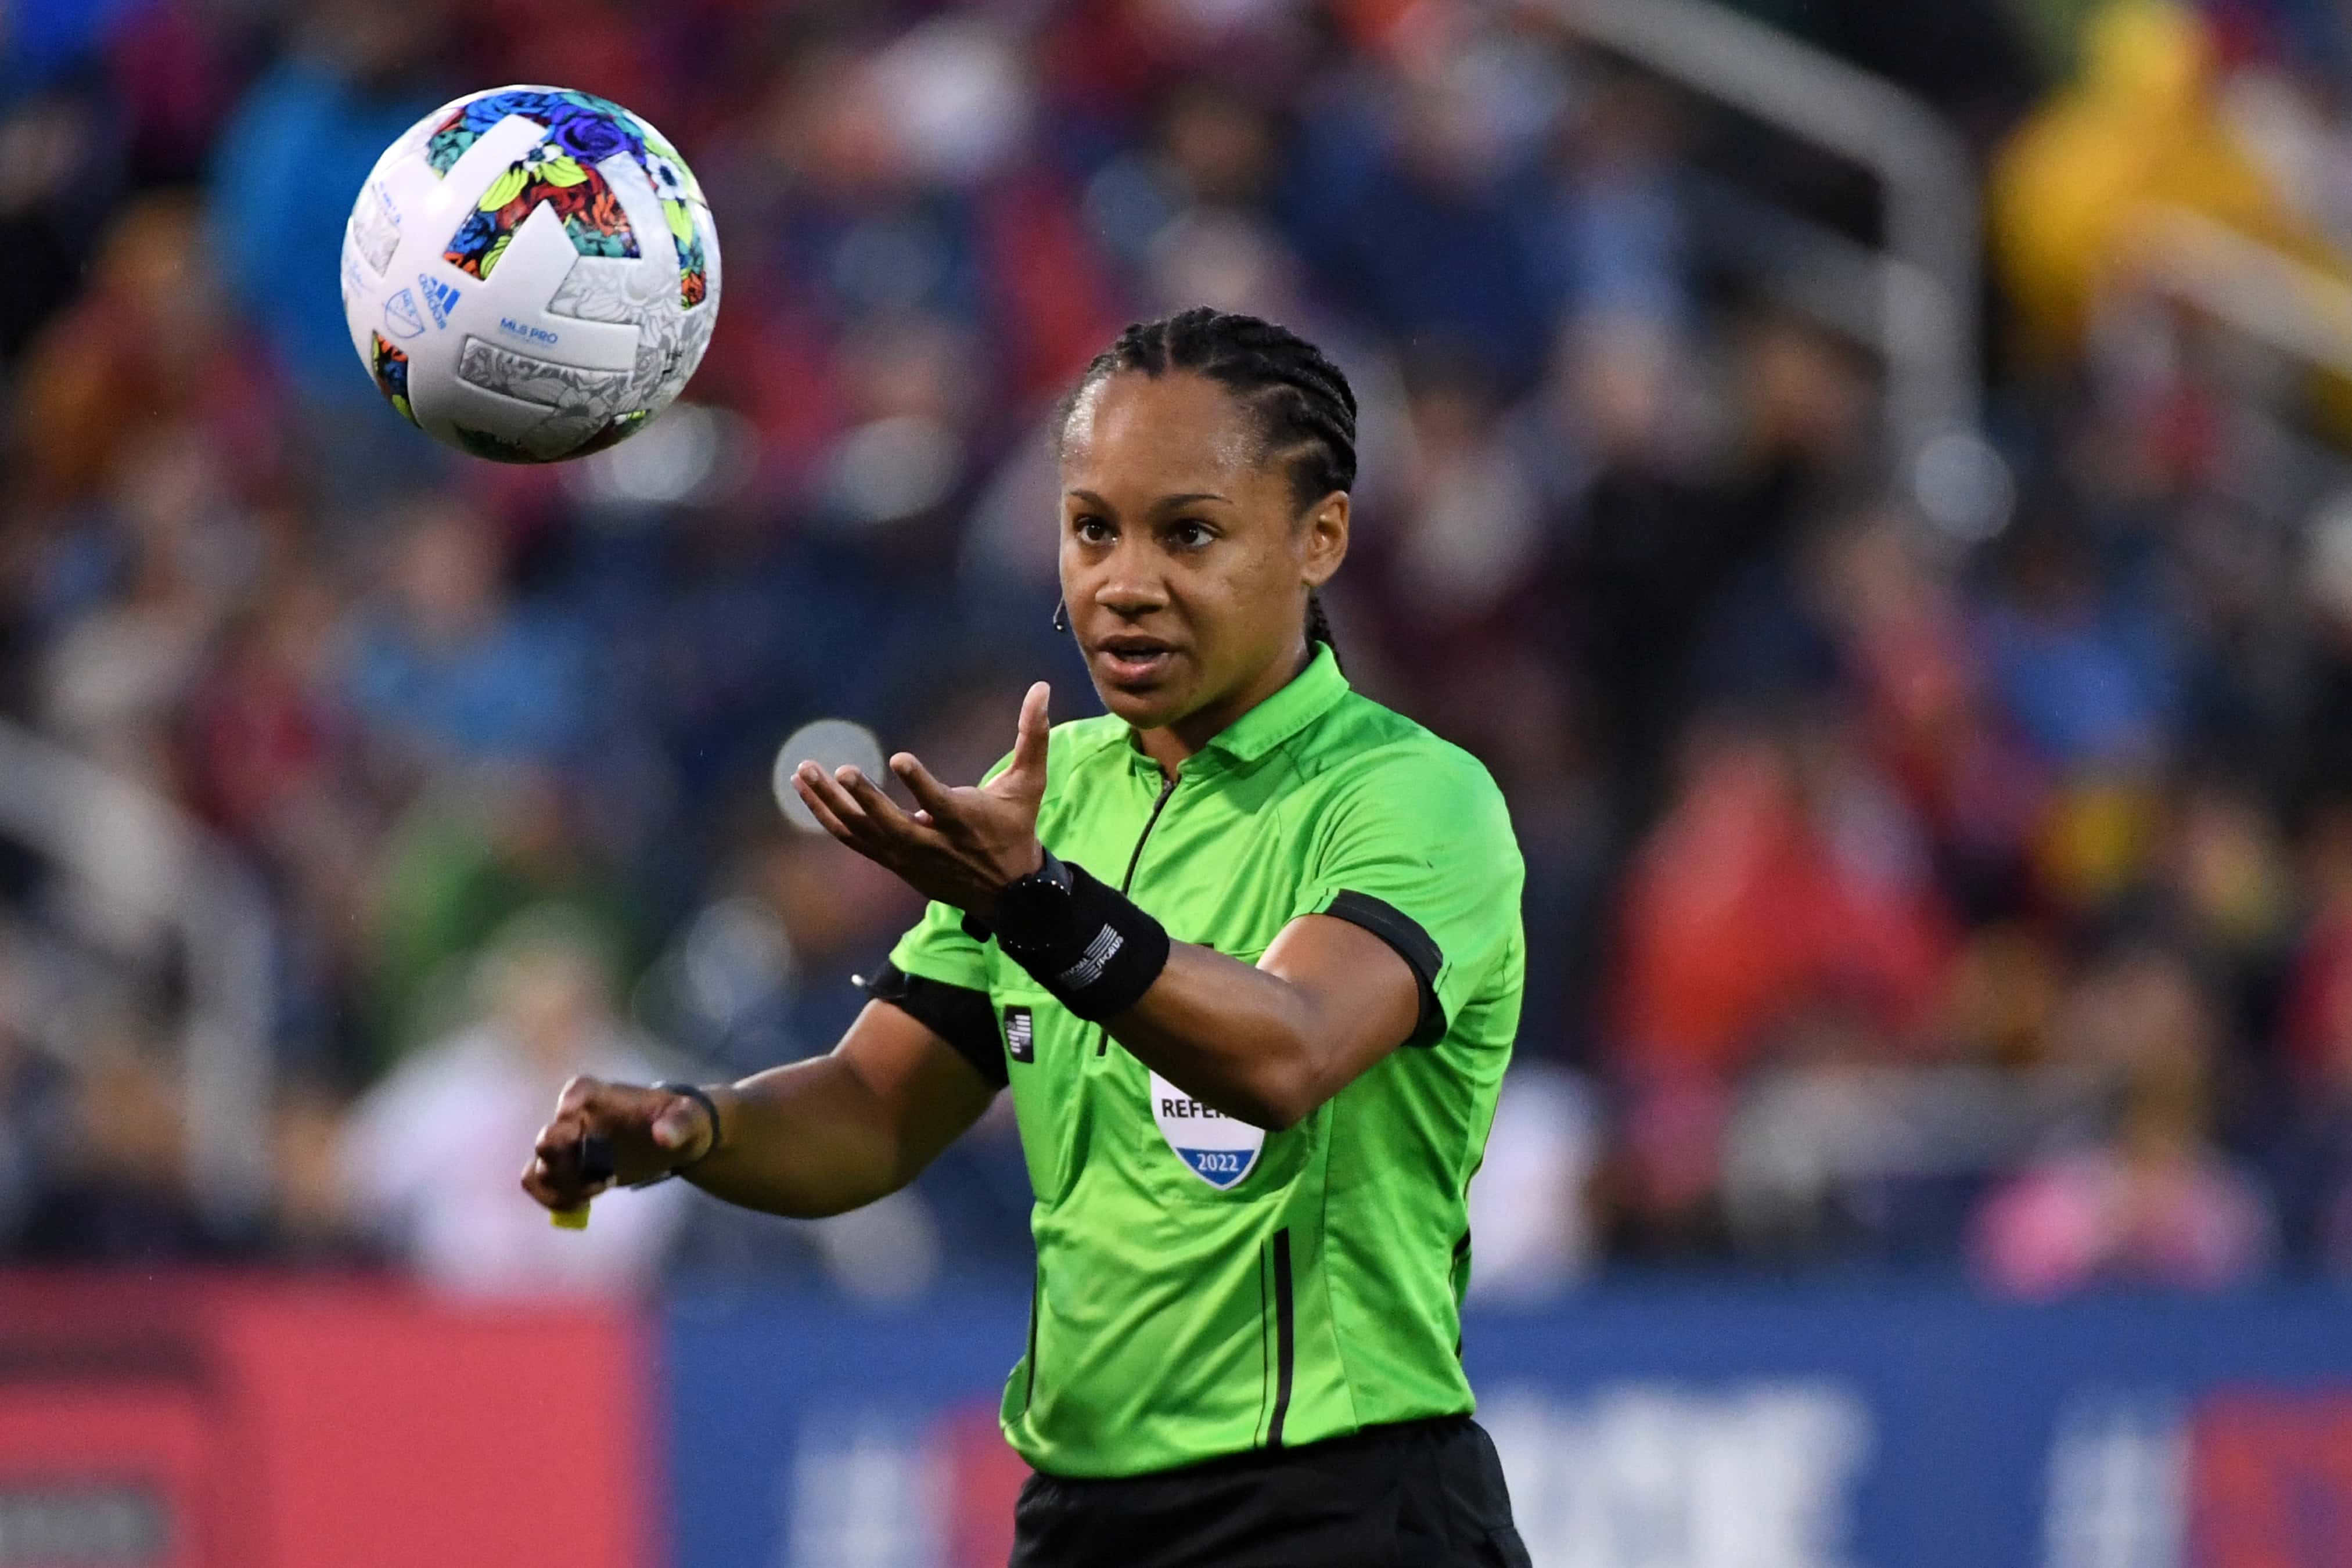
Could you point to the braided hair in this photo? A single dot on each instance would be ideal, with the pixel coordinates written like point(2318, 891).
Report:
point(1304, 409)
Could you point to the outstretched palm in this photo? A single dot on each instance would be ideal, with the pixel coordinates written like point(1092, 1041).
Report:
point(964, 844)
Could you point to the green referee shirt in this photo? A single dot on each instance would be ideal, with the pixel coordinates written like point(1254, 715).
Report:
point(1204, 1288)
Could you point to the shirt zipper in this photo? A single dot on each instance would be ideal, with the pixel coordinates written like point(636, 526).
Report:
point(1102, 1041)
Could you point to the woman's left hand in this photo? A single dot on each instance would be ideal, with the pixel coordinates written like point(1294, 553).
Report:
point(964, 845)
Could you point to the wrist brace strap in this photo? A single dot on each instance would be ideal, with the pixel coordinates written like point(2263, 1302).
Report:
point(1104, 958)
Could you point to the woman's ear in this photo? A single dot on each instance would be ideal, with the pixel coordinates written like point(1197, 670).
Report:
point(1324, 543)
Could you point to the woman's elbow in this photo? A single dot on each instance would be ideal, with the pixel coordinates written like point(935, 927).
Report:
point(1277, 1085)
point(1281, 1118)
point(1281, 1096)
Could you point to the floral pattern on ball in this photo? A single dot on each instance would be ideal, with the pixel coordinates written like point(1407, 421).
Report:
point(676, 184)
point(591, 213)
point(589, 127)
point(693, 276)
point(583, 130)
point(391, 368)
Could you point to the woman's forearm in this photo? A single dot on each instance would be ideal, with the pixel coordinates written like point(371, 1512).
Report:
point(1239, 1038)
point(823, 1137)
point(806, 1140)
point(1269, 1043)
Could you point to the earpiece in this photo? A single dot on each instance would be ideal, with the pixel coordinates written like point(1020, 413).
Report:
point(1061, 615)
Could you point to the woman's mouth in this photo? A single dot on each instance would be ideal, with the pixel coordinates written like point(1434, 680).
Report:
point(1132, 661)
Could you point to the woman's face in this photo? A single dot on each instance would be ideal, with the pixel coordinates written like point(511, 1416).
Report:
point(1185, 560)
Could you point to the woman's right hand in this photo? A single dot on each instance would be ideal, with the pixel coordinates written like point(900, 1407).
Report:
point(650, 1132)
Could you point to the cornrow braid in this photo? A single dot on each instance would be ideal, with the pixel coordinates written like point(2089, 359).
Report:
point(1318, 624)
point(1301, 401)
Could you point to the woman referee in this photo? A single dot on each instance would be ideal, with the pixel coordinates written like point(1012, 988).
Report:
point(1247, 950)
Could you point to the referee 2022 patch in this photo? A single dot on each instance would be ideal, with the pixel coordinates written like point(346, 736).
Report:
point(1019, 1035)
point(1213, 1145)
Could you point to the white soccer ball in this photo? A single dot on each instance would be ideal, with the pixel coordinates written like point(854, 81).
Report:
point(530, 273)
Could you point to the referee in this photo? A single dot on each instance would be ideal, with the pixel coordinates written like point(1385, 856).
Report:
point(1247, 950)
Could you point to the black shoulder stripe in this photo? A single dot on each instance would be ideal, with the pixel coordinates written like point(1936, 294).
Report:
point(963, 1017)
point(1412, 945)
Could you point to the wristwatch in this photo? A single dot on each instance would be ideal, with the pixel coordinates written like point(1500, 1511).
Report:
point(1033, 910)
point(1037, 910)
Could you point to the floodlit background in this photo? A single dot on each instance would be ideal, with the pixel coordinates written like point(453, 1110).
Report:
point(1874, 482)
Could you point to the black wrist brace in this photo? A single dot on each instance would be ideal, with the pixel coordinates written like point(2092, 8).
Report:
point(1093, 947)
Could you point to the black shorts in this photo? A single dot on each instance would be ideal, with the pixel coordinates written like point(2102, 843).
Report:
point(1420, 1494)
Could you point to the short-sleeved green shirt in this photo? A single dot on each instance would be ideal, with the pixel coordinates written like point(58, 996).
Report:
point(1202, 1288)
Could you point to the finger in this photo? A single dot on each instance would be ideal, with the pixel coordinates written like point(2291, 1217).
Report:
point(837, 797)
point(877, 806)
point(893, 826)
point(881, 812)
point(546, 1193)
point(556, 1178)
point(558, 1136)
point(596, 1166)
point(574, 1115)
point(818, 808)
point(928, 793)
point(1029, 742)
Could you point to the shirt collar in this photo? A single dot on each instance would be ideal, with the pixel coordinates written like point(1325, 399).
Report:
point(1309, 695)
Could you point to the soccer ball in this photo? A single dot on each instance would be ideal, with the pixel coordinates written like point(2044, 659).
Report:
point(530, 273)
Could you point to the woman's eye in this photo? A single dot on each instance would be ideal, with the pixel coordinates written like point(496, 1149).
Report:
point(1093, 529)
point(1192, 535)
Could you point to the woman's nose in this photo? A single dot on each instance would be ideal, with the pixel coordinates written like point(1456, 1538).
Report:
point(1128, 586)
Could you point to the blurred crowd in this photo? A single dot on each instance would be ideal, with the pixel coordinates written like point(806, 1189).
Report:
point(1908, 886)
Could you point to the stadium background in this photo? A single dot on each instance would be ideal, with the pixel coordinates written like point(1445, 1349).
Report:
point(1870, 481)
